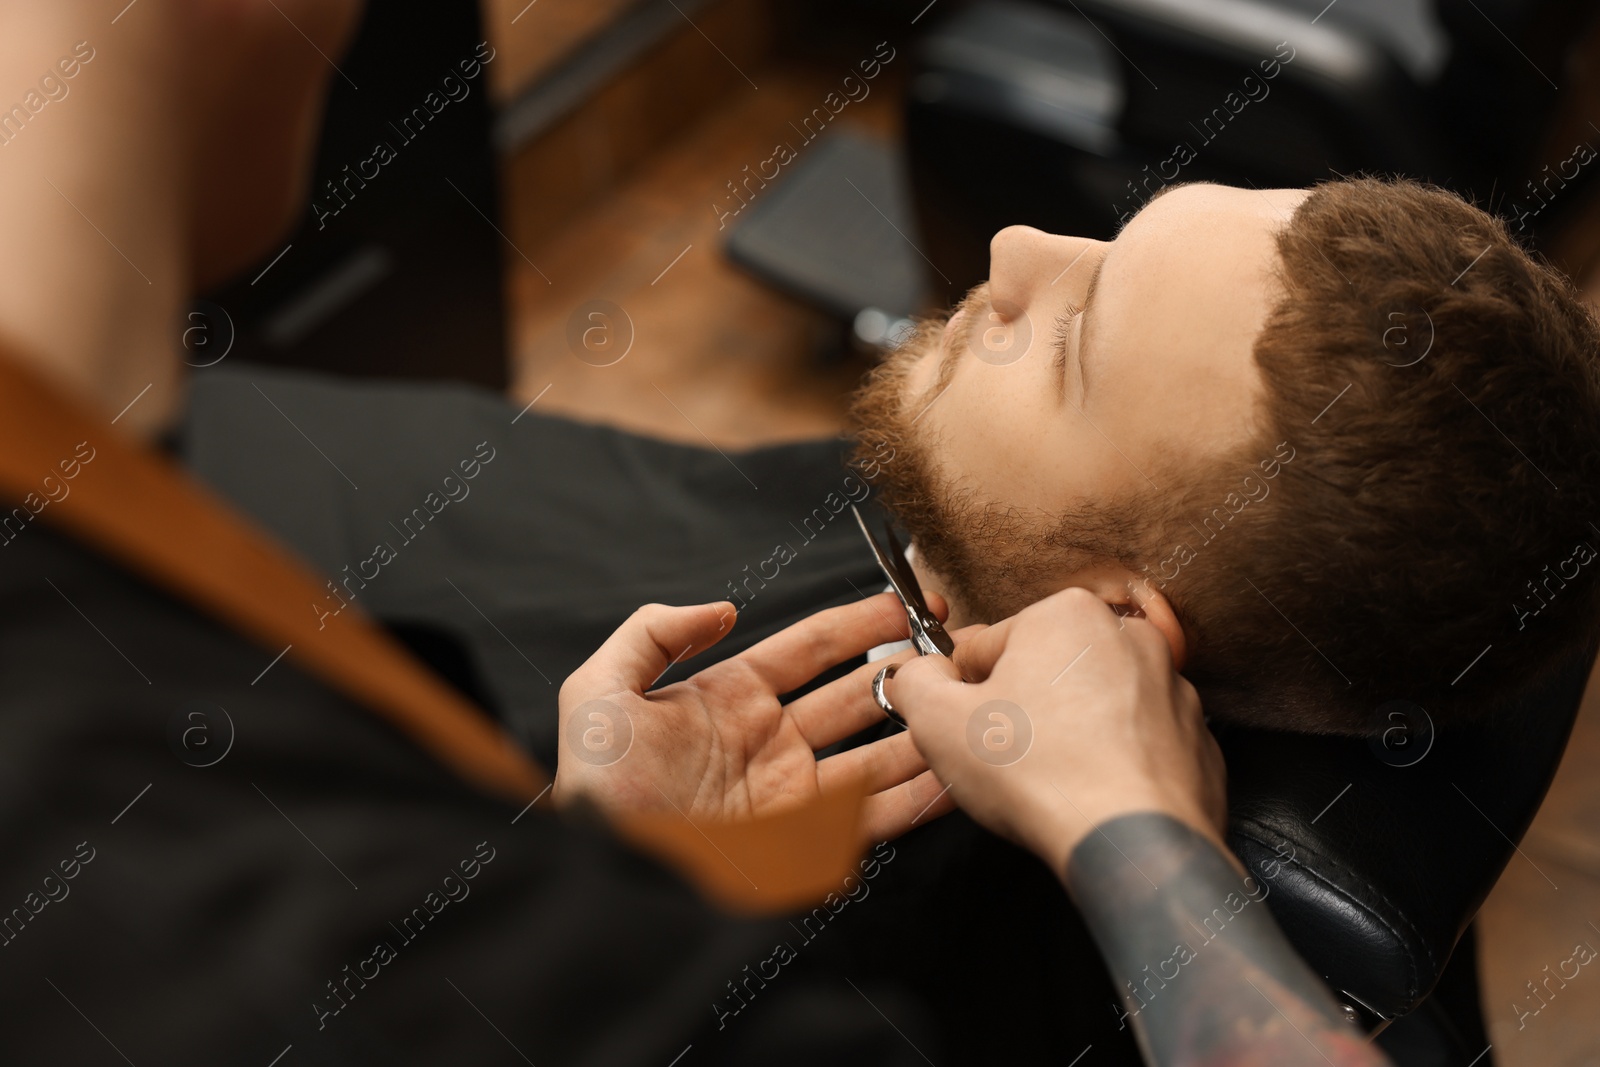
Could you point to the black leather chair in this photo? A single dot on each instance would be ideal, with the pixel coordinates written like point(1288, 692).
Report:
point(1389, 859)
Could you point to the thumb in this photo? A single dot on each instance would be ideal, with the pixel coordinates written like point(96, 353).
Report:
point(921, 688)
point(652, 639)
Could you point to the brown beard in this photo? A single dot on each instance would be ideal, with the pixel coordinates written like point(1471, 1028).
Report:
point(992, 559)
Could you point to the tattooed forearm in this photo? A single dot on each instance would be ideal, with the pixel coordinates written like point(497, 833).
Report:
point(1206, 976)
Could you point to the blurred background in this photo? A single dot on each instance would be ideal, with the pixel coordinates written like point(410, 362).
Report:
point(701, 220)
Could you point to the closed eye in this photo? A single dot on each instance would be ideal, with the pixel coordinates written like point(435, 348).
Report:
point(1061, 340)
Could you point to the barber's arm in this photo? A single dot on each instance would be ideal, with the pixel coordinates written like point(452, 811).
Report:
point(1121, 790)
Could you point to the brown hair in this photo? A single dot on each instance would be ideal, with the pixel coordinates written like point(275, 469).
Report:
point(1434, 537)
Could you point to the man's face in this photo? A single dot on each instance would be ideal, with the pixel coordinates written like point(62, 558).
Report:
point(1084, 383)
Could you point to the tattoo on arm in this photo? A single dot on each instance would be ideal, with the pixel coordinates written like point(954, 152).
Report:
point(1206, 977)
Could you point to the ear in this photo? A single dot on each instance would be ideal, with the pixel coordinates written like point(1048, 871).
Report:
point(1129, 596)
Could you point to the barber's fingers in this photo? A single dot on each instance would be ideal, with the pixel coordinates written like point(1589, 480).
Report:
point(842, 707)
point(928, 688)
point(936, 704)
point(845, 705)
point(1078, 613)
point(901, 792)
point(976, 658)
point(1055, 620)
point(793, 656)
point(652, 639)
point(1036, 646)
point(1050, 635)
point(873, 767)
point(890, 813)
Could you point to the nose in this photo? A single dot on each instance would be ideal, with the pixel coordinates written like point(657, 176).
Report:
point(1024, 262)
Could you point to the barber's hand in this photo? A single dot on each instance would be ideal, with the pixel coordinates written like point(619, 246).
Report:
point(1114, 729)
point(720, 745)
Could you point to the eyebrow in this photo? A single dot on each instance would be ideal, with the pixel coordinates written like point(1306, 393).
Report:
point(1159, 193)
point(1165, 189)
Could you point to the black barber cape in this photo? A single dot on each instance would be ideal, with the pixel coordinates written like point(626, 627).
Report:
point(210, 857)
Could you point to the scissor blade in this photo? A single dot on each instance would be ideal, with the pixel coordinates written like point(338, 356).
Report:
point(902, 566)
point(926, 632)
point(884, 563)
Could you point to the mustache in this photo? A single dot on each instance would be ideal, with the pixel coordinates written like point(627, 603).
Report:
point(882, 410)
point(976, 300)
point(930, 336)
point(966, 315)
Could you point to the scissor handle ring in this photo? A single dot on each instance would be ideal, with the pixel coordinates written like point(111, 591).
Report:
point(880, 697)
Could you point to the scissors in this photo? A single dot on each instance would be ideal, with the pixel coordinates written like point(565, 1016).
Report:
point(928, 636)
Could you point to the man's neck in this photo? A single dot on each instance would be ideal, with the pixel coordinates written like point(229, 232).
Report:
point(94, 248)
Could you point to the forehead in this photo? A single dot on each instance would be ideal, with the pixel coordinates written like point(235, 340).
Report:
point(1186, 288)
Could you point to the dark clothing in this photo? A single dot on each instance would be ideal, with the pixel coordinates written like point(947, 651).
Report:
point(554, 542)
point(297, 873)
point(204, 922)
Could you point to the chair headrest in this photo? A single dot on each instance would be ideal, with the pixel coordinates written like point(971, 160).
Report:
point(1378, 855)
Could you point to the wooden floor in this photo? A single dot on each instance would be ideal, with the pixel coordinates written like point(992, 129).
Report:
point(716, 356)
point(1546, 904)
point(719, 359)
